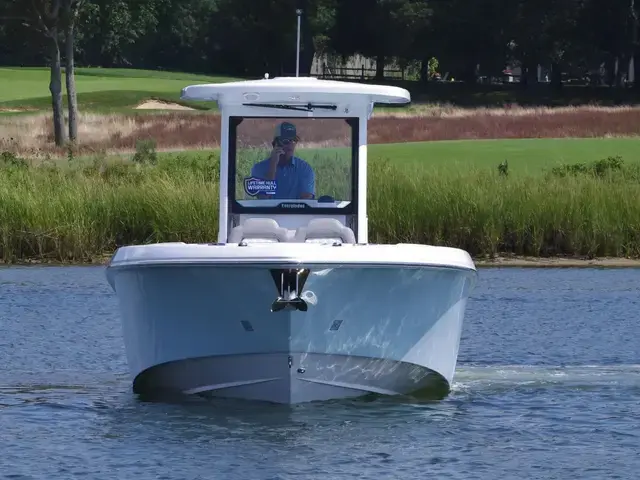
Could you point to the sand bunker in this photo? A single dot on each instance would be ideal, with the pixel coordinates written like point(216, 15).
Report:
point(159, 105)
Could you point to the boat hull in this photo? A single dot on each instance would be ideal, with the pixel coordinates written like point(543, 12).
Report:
point(268, 377)
point(208, 329)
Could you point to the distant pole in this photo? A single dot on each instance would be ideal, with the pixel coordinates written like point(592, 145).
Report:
point(298, 13)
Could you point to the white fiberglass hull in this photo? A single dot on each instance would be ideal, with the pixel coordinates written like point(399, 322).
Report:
point(200, 323)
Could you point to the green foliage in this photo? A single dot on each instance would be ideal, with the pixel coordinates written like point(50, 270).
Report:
point(79, 212)
point(598, 168)
point(432, 68)
point(503, 168)
point(380, 28)
point(12, 160)
point(221, 36)
point(145, 152)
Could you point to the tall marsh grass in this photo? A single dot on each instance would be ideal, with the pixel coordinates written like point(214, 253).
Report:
point(78, 212)
point(485, 213)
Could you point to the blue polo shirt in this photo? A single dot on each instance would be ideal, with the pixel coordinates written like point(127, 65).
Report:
point(292, 180)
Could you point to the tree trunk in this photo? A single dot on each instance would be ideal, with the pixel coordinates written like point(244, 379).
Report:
point(424, 69)
point(556, 76)
point(610, 67)
point(307, 48)
point(55, 87)
point(635, 41)
point(532, 71)
point(72, 100)
point(380, 67)
point(524, 74)
point(619, 80)
point(470, 71)
point(636, 69)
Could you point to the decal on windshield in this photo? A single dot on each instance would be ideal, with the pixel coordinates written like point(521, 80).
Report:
point(254, 186)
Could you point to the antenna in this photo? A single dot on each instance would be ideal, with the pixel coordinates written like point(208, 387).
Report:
point(298, 13)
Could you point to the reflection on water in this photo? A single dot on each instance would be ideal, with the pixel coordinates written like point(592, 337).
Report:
point(546, 387)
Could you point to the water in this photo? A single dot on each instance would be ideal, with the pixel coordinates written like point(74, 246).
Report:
point(547, 386)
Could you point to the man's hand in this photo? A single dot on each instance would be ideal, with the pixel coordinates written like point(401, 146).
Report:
point(276, 153)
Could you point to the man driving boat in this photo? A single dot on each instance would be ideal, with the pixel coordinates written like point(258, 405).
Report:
point(294, 177)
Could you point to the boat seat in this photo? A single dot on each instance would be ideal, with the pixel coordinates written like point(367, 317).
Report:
point(324, 230)
point(259, 230)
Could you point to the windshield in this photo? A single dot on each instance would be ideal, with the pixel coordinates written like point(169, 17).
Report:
point(292, 163)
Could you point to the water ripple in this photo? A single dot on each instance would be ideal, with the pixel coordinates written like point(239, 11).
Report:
point(546, 387)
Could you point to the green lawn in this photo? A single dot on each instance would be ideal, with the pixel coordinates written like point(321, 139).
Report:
point(114, 89)
point(104, 89)
point(523, 155)
point(99, 89)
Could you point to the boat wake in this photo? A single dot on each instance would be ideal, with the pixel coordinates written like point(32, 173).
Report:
point(107, 391)
point(60, 389)
point(496, 378)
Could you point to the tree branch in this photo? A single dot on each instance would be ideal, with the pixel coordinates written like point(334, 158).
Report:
point(55, 10)
point(41, 21)
point(71, 9)
point(48, 20)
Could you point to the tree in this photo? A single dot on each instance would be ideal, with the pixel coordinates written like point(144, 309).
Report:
point(379, 29)
point(466, 34)
point(239, 26)
point(20, 43)
point(44, 17)
point(635, 41)
point(47, 13)
point(114, 33)
point(70, 10)
point(610, 30)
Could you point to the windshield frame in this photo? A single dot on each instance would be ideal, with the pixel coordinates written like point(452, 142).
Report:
point(292, 206)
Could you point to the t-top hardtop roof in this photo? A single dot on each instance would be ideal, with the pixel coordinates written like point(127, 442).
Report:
point(296, 97)
point(289, 90)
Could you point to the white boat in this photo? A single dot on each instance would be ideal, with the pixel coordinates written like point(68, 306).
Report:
point(292, 304)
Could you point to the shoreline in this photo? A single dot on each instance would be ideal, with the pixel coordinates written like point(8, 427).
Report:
point(556, 262)
point(480, 262)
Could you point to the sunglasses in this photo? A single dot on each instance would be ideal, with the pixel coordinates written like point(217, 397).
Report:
point(286, 141)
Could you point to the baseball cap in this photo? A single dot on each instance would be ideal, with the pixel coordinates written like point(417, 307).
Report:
point(286, 130)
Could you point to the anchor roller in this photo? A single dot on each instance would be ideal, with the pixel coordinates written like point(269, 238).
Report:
point(289, 283)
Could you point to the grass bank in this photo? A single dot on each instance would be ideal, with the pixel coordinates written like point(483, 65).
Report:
point(80, 211)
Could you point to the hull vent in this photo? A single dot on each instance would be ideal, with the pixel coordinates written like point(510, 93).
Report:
point(335, 325)
point(247, 325)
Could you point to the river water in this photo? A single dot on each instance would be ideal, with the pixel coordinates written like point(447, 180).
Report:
point(547, 386)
